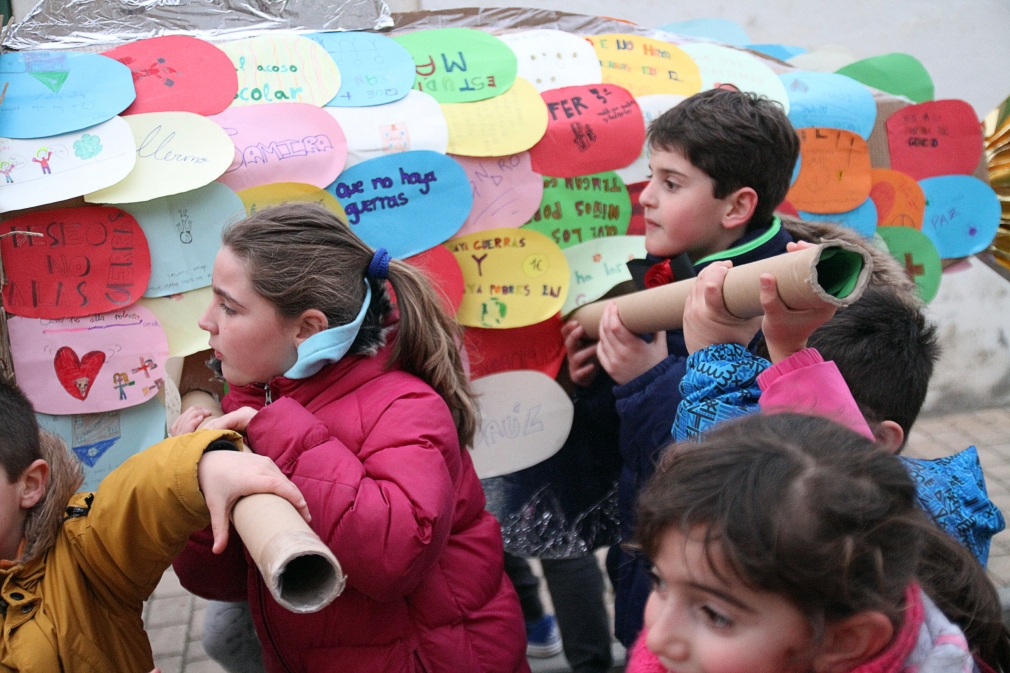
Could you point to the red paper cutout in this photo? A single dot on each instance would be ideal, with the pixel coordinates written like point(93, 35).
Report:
point(441, 267)
point(636, 227)
point(77, 375)
point(786, 208)
point(941, 137)
point(178, 74)
point(87, 261)
point(590, 129)
point(538, 347)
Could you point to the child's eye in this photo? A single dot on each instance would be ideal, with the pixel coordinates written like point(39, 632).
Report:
point(657, 582)
point(716, 618)
point(671, 185)
point(227, 310)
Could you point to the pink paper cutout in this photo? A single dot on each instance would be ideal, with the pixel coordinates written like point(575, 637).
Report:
point(506, 191)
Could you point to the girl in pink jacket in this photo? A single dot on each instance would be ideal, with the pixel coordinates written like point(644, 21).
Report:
point(368, 411)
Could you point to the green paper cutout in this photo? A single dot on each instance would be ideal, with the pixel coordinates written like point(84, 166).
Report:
point(52, 80)
point(576, 210)
point(917, 254)
point(898, 74)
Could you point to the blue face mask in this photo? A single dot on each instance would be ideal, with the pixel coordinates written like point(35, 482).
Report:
point(328, 346)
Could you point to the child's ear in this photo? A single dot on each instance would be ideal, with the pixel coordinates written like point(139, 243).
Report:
point(854, 641)
point(33, 483)
point(890, 437)
point(310, 323)
point(740, 207)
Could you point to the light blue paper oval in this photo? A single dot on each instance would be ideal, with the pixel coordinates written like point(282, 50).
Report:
point(721, 30)
point(374, 69)
point(54, 92)
point(782, 52)
point(962, 214)
point(406, 202)
point(863, 220)
point(829, 100)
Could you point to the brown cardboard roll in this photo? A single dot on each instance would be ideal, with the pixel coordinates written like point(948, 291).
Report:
point(834, 272)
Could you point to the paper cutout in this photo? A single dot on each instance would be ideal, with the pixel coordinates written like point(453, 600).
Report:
point(89, 365)
point(525, 419)
point(652, 108)
point(827, 100)
point(898, 197)
point(551, 59)
point(722, 66)
point(576, 210)
point(829, 58)
point(50, 93)
point(257, 198)
point(460, 65)
point(286, 142)
point(636, 227)
point(506, 192)
point(103, 442)
point(645, 66)
point(184, 234)
point(48, 170)
point(511, 278)
point(782, 52)
point(917, 254)
point(414, 123)
point(720, 30)
point(593, 128)
point(176, 152)
point(597, 266)
point(373, 68)
point(276, 68)
point(441, 267)
point(87, 261)
point(506, 124)
point(835, 175)
point(862, 220)
point(536, 347)
point(177, 73)
point(962, 214)
point(786, 208)
point(405, 202)
point(178, 315)
point(935, 138)
point(900, 74)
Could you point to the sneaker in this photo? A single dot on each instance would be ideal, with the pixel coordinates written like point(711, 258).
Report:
point(543, 640)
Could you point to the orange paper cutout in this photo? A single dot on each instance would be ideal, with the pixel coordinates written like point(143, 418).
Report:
point(835, 174)
point(898, 197)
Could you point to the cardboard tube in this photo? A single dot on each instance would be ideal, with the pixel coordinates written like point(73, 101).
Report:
point(834, 272)
point(300, 571)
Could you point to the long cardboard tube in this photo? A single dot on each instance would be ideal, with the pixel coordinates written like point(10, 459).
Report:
point(834, 272)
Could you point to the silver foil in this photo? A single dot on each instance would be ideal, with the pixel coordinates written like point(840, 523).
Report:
point(86, 24)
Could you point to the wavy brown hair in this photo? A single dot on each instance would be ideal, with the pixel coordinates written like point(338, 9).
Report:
point(300, 256)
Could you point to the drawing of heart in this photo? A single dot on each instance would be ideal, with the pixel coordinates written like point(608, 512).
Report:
point(76, 374)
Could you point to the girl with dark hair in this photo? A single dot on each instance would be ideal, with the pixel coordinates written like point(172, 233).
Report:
point(790, 543)
point(367, 409)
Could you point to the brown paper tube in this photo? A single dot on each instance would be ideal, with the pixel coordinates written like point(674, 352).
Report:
point(834, 272)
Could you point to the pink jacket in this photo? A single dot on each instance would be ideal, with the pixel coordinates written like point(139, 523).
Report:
point(376, 455)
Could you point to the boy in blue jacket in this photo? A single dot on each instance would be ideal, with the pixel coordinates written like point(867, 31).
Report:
point(721, 163)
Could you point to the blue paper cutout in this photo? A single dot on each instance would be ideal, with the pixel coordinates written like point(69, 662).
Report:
point(829, 100)
point(782, 52)
point(54, 92)
point(962, 214)
point(406, 202)
point(374, 69)
point(863, 219)
point(720, 30)
point(104, 441)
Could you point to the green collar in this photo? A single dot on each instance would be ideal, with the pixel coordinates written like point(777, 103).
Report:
point(776, 225)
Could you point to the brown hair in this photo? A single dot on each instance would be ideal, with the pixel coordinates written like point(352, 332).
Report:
point(300, 256)
point(738, 140)
point(804, 508)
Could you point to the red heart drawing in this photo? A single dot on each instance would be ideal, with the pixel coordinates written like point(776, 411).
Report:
point(77, 374)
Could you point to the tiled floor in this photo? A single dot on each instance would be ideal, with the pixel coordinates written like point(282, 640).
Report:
point(175, 619)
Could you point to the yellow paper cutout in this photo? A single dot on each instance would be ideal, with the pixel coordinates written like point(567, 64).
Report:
point(507, 124)
point(511, 278)
point(176, 152)
point(256, 198)
point(282, 69)
point(645, 66)
point(178, 315)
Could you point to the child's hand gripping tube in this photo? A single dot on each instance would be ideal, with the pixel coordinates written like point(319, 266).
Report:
point(834, 272)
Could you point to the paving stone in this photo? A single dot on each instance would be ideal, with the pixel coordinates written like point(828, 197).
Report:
point(169, 611)
point(169, 664)
point(168, 641)
point(999, 569)
point(195, 651)
point(205, 666)
point(196, 624)
point(169, 586)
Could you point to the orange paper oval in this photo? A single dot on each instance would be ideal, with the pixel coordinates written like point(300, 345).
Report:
point(898, 197)
point(835, 173)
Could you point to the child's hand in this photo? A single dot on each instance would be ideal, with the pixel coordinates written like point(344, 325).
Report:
point(226, 476)
point(786, 330)
point(582, 363)
point(189, 421)
point(237, 420)
point(622, 353)
point(706, 320)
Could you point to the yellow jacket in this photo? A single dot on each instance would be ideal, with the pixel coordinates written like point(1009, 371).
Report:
point(76, 605)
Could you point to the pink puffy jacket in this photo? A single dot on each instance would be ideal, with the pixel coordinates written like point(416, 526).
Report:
point(376, 455)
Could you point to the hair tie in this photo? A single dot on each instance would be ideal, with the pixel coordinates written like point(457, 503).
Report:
point(379, 266)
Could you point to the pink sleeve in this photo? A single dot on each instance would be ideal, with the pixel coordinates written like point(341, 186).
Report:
point(804, 383)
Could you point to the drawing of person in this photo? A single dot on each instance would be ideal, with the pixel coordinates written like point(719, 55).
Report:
point(6, 167)
point(122, 380)
point(44, 162)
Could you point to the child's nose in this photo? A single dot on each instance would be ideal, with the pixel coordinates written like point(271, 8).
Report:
point(205, 323)
point(647, 197)
point(667, 637)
